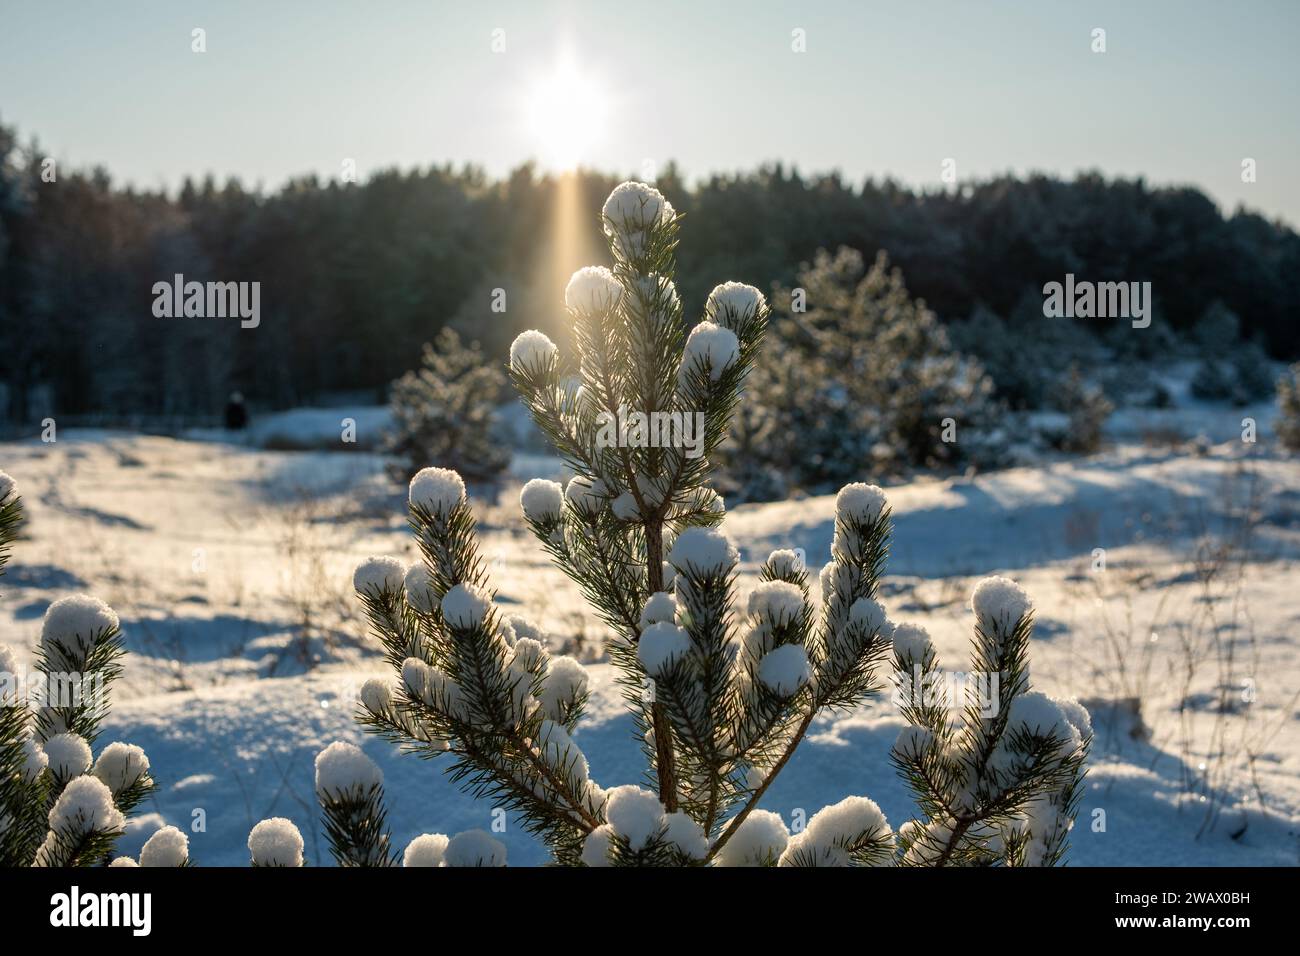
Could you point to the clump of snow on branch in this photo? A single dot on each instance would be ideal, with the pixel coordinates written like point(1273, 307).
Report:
point(733, 302)
point(710, 346)
point(86, 802)
point(531, 350)
point(758, 841)
point(586, 496)
point(379, 574)
point(342, 767)
point(592, 289)
point(419, 589)
point(474, 848)
point(437, 490)
point(541, 500)
point(785, 669)
point(660, 607)
point(836, 832)
point(999, 604)
point(72, 622)
point(703, 551)
point(635, 814)
point(68, 754)
point(35, 759)
point(167, 847)
point(778, 601)
point(465, 606)
point(376, 695)
point(859, 502)
point(662, 645)
point(275, 842)
point(121, 765)
point(428, 849)
point(911, 643)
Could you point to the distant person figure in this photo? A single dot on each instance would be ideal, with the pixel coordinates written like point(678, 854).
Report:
point(236, 413)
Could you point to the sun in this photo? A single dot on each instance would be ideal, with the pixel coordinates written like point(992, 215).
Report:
point(567, 111)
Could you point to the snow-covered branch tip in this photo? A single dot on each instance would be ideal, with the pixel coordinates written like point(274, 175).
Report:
point(998, 777)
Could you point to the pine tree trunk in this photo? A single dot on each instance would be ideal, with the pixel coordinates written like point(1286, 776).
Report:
point(654, 549)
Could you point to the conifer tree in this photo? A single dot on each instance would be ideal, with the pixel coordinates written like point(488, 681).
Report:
point(722, 696)
point(1088, 409)
point(860, 375)
point(59, 805)
point(444, 411)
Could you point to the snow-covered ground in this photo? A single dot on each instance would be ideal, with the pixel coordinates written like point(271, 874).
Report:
point(231, 568)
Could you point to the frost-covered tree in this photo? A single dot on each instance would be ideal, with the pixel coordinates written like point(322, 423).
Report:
point(721, 695)
point(1287, 423)
point(59, 804)
point(444, 411)
point(859, 376)
point(1027, 354)
point(1230, 369)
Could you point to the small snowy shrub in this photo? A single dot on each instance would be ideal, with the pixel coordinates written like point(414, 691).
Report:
point(444, 411)
point(721, 695)
point(1231, 369)
point(60, 806)
point(1287, 424)
point(1088, 409)
point(1027, 355)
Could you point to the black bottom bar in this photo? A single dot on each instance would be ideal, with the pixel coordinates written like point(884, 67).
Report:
point(214, 905)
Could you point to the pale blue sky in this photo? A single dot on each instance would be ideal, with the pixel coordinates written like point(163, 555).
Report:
point(1184, 92)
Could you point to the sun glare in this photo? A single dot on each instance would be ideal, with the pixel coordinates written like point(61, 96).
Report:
point(567, 111)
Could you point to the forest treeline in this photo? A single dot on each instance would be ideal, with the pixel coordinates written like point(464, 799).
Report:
point(356, 277)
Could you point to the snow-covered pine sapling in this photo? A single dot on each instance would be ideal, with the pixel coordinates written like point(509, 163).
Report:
point(636, 418)
point(722, 698)
point(999, 777)
point(444, 412)
point(58, 806)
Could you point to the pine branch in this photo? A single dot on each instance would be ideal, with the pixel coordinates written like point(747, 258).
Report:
point(357, 828)
point(800, 731)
